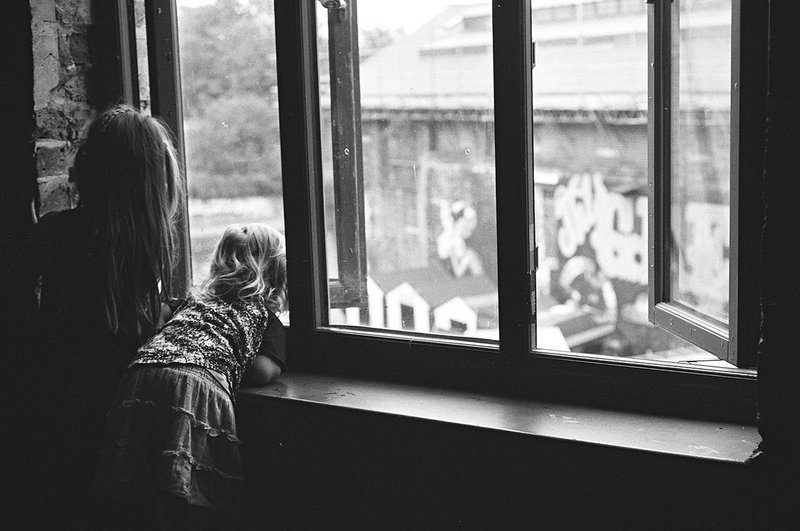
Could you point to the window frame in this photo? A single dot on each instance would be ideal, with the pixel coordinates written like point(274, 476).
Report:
point(115, 26)
point(737, 342)
point(161, 19)
point(350, 287)
point(508, 368)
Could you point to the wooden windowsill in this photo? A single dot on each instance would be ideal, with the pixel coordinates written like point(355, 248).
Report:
point(715, 441)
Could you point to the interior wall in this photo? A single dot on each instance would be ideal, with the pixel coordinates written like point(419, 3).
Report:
point(16, 117)
point(778, 359)
point(315, 466)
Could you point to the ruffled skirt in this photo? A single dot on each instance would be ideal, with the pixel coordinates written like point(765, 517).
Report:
point(172, 429)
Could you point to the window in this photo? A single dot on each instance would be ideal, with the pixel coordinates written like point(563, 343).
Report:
point(698, 245)
point(230, 109)
point(590, 101)
point(162, 72)
point(412, 146)
point(226, 118)
point(396, 130)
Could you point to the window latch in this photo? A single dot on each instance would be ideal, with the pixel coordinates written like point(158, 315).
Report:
point(532, 291)
point(333, 4)
point(534, 260)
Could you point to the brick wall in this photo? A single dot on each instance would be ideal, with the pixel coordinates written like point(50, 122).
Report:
point(62, 108)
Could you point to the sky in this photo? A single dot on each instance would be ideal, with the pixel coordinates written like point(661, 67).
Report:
point(386, 14)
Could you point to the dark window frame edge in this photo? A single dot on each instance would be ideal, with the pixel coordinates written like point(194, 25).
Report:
point(163, 52)
point(350, 288)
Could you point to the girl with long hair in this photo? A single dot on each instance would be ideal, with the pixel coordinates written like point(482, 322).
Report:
point(89, 289)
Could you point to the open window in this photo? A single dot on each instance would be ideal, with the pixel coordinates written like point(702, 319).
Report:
point(343, 165)
point(608, 153)
point(164, 88)
point(439, 191)
point(411, 179)
point(407, 166)
point(208, 70)
point(401, 119)
point(704, 230)
point(139, 64)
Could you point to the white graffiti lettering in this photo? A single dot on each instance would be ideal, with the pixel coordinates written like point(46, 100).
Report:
point(584, 203)
point(616, 227)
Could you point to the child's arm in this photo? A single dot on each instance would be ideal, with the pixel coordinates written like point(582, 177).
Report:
point(263, 370)
point(270, 361)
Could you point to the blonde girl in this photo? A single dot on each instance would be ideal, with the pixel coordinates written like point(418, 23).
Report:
point(171, 440)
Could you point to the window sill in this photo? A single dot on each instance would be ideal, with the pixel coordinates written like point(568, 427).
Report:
point(723, 442)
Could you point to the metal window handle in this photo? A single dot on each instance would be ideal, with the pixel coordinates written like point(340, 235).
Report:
point(333, 4)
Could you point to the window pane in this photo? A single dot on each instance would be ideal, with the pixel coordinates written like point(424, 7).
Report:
point(590, 184)
point(427, 135)
point(230, 103)
point(143, 71)
point(701, 122)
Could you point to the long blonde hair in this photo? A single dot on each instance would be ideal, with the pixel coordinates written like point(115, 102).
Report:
point(130, 184)
point(249, 264)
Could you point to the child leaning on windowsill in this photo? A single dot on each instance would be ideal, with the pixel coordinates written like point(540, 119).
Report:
point(171, 442)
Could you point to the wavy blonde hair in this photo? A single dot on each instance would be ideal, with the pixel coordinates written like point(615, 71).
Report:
point(249, 264)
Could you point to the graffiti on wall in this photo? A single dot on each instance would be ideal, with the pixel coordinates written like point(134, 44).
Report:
point(702, 280)
point(459, 221)
point(614, 226)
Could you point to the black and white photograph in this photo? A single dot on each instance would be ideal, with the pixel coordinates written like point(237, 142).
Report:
point(413, 264)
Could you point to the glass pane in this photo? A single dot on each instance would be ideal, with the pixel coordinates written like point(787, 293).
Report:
point(427, 135)
point(701, 123)
point(590, 182)
point(230, 104)
point(141, 56)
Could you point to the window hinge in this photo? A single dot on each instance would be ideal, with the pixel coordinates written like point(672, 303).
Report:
point(333, 4)
point(534, 259)
point(532, 290)
point(533, 54)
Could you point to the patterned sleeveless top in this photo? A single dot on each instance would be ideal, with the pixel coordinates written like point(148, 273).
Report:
point(218, 335)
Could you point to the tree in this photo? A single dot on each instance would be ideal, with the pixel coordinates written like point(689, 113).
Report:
point(227, 49)
point(230, 99)
point(233, 151)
